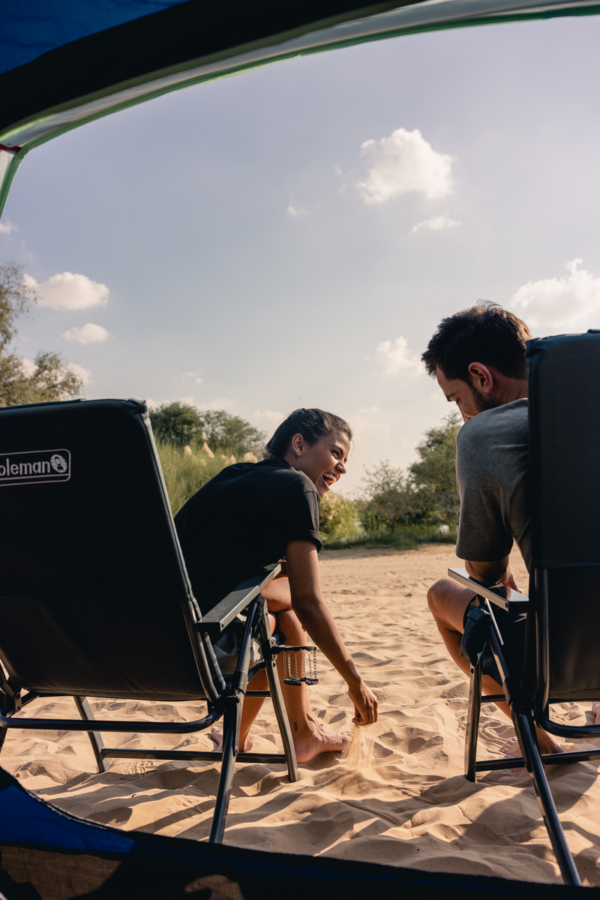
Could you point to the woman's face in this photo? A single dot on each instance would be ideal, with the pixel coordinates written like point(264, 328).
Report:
point(323, 462)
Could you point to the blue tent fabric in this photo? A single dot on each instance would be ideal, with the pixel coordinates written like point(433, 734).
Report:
point(46, 854)
point(33, 28)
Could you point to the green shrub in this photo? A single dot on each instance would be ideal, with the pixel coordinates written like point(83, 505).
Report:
point(405, 537)
point(339, 521)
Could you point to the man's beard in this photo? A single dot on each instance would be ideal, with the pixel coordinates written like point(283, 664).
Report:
point(483, 401)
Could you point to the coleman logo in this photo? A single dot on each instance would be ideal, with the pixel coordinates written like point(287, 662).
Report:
point(35, 467)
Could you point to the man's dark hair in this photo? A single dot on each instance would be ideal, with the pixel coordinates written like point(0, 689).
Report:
point(312, 424)
point(485, 333)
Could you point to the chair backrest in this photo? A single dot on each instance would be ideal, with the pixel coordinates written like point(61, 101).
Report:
point(94, 595)
point(564, 423)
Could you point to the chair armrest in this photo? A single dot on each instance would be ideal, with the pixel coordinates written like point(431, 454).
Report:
point(500, 594)
point(225, 612)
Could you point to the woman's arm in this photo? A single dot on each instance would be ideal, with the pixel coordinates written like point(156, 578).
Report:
point(311, 609)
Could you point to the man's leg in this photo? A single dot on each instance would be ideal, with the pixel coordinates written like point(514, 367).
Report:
point(448, 603)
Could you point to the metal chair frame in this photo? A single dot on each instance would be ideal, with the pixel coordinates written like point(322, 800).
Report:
point(227, 704)
point(528, 709)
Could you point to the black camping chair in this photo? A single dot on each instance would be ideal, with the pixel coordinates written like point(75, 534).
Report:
point(95, 600)
point(560, 660)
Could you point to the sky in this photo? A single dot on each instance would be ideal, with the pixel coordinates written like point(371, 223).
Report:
point(293, 235)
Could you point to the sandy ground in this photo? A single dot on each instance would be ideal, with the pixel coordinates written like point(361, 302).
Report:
point(401, 799)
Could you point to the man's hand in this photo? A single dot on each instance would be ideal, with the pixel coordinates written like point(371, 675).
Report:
point(365, 704)
point(511, 583)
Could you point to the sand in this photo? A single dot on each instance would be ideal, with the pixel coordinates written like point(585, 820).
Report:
point(398, 798)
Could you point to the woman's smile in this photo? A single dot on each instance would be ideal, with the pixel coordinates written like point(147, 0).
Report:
point(329, 479)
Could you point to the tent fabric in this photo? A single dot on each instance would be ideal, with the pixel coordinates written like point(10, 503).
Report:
point(46, 854)
point(72, 61)
point(38, 26)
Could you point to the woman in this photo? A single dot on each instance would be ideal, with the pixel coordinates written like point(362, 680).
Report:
point(253, 514)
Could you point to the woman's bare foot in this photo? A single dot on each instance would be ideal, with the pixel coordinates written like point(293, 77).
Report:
point(217, 736)
point(546, 743)
point(314, 740)
point(596, 712)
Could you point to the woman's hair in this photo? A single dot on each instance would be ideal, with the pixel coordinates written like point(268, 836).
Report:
point(312, 424)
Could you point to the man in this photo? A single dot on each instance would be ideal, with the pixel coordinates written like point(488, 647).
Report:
point(478, 358)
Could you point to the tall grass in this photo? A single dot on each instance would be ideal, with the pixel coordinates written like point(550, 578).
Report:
point(186, 473)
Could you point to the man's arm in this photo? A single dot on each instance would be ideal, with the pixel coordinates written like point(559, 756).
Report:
point(315, 617)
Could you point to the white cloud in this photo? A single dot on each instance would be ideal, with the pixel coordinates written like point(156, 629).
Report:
point(555, 302)
point(154, 404)
point(87, 334)
point(296, 210)
point(438, 223)
point(29, 366)
point(69, 291)
point(84, 374)
point(405, 162)
point(268, 419)
point(189, 376)
point(397, 358)
point(337, 170)
point(219, 403)
point(7, 227)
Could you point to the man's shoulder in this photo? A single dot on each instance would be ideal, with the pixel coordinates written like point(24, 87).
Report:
point(507, 424)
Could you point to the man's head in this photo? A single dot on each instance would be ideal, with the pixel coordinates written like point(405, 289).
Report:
point(478, 358)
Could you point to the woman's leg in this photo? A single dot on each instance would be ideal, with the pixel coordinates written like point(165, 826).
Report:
point(252, 706)
point(310, 738)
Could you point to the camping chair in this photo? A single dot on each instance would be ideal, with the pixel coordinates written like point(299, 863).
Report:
point(95, 600)
point(560, 658)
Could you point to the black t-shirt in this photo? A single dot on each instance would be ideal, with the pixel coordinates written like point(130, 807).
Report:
point(242, 520)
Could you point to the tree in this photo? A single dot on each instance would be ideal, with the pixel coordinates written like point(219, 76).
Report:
point(391, 494)
point(226, 433)
point(50, 377)
point(179, 423)
point(176, 423)
point(434, 474)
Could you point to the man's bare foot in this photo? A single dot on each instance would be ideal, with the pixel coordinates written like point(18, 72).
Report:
point(546, 743)
point(316, 740)
point(596, 712)
point(217, 736)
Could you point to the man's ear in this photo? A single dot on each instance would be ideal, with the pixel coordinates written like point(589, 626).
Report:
point(481, 377)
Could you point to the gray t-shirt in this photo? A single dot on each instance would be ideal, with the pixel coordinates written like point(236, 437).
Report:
point(492, 456)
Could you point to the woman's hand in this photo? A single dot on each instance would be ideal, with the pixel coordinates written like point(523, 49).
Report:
point(365, 704)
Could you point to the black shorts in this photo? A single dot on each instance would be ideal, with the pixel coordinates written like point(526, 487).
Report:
point(512, 629)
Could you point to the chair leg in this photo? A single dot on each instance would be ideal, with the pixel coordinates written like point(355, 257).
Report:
point(277, 697)
point(84, 710)
point(531, 754)
point(232, 719)
point(475, 687)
